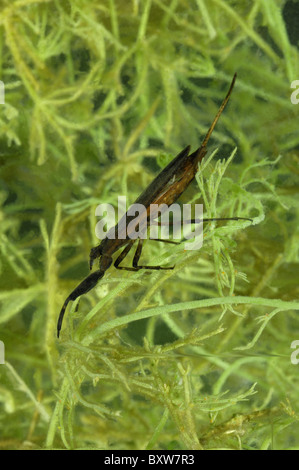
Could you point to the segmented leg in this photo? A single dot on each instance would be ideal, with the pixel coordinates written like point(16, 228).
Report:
point(136, 258)
point(122, 257)
point(86, 285)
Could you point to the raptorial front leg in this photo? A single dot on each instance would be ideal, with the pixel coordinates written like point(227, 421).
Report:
point(85, 286)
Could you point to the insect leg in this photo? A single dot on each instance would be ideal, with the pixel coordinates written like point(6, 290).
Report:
point(86, 285)
point(122, 257)
point(137, 257)
point(160, 224)
point(196, 221)
point(165, 241)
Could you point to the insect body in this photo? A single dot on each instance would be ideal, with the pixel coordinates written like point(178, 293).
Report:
point(166, 188)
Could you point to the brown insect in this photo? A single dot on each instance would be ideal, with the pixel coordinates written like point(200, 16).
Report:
point(166, 188)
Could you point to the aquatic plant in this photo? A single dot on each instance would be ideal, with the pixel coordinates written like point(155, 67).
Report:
point(97, 96)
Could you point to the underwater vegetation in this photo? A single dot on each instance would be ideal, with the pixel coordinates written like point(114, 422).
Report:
point(99, 96)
